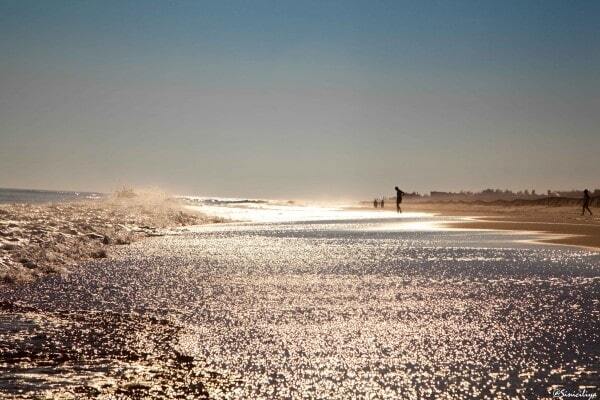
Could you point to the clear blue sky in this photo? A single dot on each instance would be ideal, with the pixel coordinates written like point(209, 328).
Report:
point(297, 98)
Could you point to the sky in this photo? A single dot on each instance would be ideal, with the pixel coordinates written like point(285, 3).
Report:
point(299, 99)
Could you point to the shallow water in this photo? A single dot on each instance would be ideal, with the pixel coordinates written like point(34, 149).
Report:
point(374, 307)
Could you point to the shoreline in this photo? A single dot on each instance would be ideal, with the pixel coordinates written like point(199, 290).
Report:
point(556, 225)
point(49, 238)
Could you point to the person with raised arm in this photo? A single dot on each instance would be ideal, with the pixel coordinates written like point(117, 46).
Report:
point(399, 194)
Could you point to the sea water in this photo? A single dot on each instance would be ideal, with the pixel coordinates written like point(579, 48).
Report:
point(343, 304)
point(43, 196)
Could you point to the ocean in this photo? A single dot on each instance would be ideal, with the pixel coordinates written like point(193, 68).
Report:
point(8, 195)
point(332, 303)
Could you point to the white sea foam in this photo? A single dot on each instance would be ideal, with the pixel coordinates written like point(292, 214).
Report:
point(38, 239)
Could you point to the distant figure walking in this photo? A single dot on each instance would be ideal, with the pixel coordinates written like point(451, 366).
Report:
point(586, 202)
point(382, 202)
point(399, 194)
point(375, 203)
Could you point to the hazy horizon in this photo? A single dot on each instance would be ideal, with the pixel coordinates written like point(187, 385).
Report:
point(339, 100)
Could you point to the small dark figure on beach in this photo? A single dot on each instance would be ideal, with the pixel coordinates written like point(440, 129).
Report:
point(375, 203)
point(399, 194)
point(382, 202)
point(586, 202)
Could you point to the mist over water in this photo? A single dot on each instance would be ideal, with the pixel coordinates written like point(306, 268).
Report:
point(273, 211)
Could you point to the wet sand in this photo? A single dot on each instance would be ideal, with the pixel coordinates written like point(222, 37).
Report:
point(565, 224)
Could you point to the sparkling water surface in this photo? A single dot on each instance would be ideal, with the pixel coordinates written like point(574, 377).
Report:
point(377, 307)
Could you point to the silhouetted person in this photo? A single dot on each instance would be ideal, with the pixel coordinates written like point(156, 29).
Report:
point(375, 203)
point(382, 202)
point(586, 202)
point(399, 194)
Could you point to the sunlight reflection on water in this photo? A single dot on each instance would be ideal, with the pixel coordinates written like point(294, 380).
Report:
point(355, 304)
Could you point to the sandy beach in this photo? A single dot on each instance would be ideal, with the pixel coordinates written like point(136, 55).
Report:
point(565, 224)
point(41, 239)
